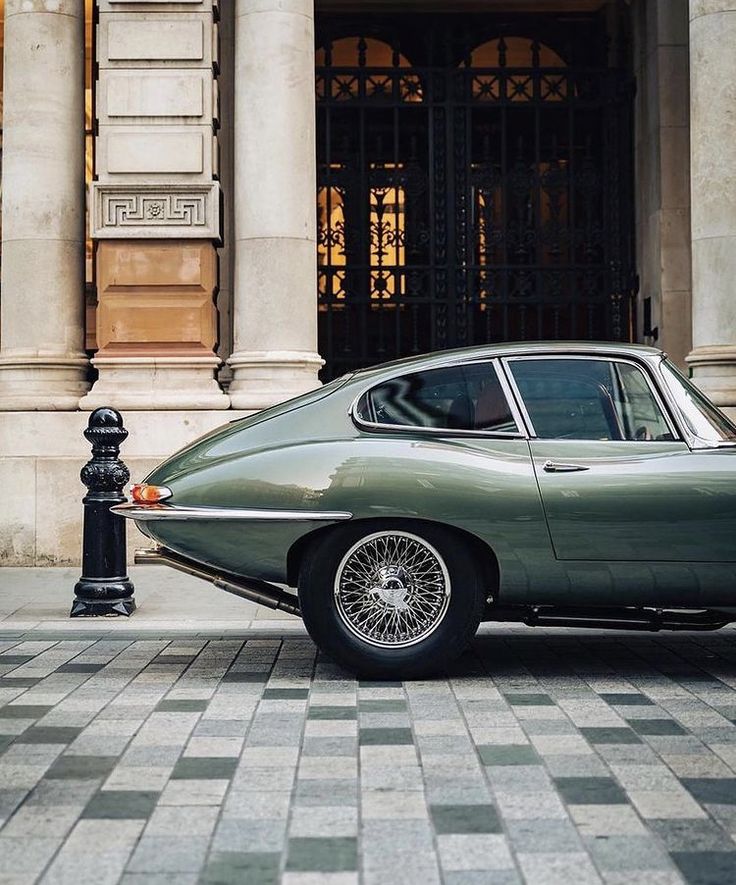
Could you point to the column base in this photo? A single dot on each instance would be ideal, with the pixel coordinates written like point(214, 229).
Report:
point(36, 383)
point(714, 371)
point(156, 382)
point(264, 378)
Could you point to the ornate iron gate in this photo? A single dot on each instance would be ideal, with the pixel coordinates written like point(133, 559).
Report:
point(474, 185)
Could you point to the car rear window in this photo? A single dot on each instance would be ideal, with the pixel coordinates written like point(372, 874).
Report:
point(463, 397)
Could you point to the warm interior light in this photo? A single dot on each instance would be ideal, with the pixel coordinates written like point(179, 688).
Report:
point(142, 493)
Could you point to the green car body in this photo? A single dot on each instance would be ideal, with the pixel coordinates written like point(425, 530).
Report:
point(632, 522)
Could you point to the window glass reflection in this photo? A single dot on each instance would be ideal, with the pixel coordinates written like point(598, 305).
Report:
point(455, 398)
point(701, 417)
point(589, 399)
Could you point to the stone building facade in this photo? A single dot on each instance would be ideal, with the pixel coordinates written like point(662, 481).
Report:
point(456, 172)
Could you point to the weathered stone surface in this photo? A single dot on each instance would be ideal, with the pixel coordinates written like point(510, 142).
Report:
point(42, 364)
point(712, 103)
point(275, 298)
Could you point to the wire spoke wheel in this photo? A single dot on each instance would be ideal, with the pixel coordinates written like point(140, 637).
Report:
point(392, 589)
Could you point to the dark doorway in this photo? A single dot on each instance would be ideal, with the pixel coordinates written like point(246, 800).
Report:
point(474, 183)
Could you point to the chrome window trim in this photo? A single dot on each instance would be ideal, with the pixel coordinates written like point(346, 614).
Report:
point(443, 431)
point(147, 512)
point(664, 403)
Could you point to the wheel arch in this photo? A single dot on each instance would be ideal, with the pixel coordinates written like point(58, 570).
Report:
point(482, 553)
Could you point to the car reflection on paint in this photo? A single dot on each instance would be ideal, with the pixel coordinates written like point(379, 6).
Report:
point(550, 484)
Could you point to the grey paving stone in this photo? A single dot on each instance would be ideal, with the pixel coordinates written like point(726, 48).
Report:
point(181, 706)
point(656, 727)
point(24, 711)
point(81, 767)
point(382, 705)
point(706, 867)
point(327, 792)
point(169, 854)
point(481, 877)
point(609, 735)
point(121, 804)
point(487, 851)
point(385, 736)
point(627, 853)
point(590, 791)
point(285, 693)
point(556, 868)
point(522, 699)
point(44, 734)
point(18, 682)
point(721, 791)
point(508, 754)
point(543, 835)
point(631, 699)
point(250, 835)
point(245, 676)
point(465, 819)
point(692, 835)
point(204, 767)
point(228, 867)
point(322, 855)
point(327, 712)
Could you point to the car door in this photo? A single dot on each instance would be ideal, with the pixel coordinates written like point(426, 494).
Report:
point(617, 479)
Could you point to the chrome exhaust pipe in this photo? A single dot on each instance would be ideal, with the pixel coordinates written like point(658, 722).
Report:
point(251, 589)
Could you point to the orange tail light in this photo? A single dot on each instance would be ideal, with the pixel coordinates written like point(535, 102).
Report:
point(142, 493)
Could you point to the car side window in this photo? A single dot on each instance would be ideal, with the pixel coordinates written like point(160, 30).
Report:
point(464, 397)
point(590, 399)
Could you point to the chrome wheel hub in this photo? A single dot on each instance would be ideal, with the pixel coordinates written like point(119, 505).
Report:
point(392, 589)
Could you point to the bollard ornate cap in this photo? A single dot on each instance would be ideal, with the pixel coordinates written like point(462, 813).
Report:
point(105, 472)
point(105, 417)
point(105, 428)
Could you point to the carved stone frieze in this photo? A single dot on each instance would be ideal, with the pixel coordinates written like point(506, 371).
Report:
point(159, 211)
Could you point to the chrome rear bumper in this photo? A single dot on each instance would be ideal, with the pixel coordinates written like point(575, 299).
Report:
point(146, 512)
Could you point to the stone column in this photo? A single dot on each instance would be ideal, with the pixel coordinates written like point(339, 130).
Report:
point(42, 360)
point(662, 115)
point(275, 290)
point(713, 169)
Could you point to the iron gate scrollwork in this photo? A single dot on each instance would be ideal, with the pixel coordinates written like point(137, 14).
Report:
point(474, 185)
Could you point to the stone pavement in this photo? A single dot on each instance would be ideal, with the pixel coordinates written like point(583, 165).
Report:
point(227, 750)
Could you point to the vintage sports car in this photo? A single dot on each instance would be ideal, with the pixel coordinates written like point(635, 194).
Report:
point(550, 484)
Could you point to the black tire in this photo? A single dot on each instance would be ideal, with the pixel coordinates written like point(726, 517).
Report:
point(325, 618)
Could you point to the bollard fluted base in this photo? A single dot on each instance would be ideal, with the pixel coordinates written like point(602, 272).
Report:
point(103, 596)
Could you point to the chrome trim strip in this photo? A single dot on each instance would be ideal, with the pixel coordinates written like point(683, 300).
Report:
point(146, 512)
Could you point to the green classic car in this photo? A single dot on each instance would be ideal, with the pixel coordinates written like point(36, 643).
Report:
point(585, 484)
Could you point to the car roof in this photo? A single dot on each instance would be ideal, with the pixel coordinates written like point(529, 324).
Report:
point(517, 348)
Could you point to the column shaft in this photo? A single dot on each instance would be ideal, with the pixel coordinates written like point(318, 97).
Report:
point(275, 291)
point(713, 165)
point(42, 360)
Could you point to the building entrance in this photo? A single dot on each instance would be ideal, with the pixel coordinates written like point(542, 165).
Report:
point(474, 184)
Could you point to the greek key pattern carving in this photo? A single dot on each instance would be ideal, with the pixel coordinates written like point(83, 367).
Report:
point(174, 209)
point(155, 211)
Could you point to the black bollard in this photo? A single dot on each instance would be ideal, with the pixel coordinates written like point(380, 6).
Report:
point(104, 587)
